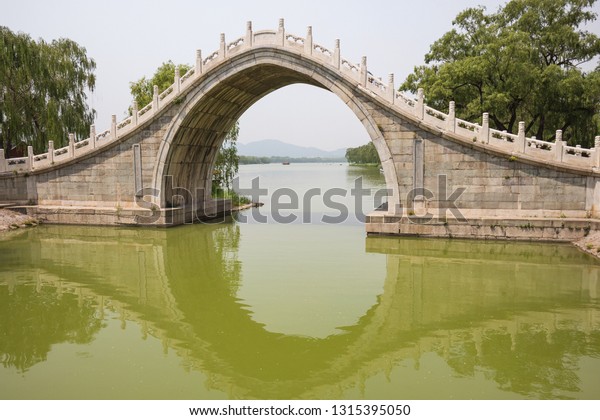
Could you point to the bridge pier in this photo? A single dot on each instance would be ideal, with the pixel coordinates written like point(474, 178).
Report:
point(477, 227)
point(127, 216)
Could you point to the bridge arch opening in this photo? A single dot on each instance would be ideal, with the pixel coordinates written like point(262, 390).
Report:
point(302, 115)
point(183, 174)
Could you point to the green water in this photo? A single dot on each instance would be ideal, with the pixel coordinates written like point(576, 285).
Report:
point(270, 311)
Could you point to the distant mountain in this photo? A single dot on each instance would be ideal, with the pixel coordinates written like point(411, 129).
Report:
point(270, 148)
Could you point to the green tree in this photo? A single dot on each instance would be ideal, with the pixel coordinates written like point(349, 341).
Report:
point(362, 154)
point(522, 63)
point(227, 163)
point(43, 91)
point(143, 90)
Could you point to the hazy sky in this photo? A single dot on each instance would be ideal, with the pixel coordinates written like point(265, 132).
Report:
point(130, 39)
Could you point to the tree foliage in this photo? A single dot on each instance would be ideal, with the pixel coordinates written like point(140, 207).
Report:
point(254, 160)
point(227, 163)
point(143, 90)
point(522, 63)
point(43, 91)
point(362, 154)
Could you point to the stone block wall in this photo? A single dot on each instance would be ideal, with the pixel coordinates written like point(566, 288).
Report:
point(14, 189)
point(441, 172)
point(105, 178)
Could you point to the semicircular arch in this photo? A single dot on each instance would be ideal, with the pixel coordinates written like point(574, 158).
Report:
point(189, 147)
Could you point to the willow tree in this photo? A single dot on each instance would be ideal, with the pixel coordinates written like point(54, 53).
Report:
point(523, 63)
point(43, 91)
point(227, 162)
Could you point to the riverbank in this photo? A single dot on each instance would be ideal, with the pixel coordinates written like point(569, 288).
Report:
point(365, 165)
point(246, 206)
point(590, 244)
point(10, 220)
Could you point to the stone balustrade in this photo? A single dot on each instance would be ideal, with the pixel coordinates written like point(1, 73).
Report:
point(515, 144)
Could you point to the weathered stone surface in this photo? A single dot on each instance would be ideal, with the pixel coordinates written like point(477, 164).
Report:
point(530, 229)
point(457, 167)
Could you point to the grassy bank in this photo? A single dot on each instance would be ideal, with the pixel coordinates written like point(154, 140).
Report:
point(367, 165)
point(236, 199)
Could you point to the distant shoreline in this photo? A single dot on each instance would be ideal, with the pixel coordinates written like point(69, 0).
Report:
point(257, 160)
point(368, 165)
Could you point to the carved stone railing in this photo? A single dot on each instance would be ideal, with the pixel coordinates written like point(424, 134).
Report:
point(145, 109)
point(295, 39)
point(186, 76)
point(211, 58)
point(513, 144)
point(237, 43)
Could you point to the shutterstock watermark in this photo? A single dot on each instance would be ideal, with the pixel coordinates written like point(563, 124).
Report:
point(286, 205)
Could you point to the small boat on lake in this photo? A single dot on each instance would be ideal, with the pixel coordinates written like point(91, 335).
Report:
point(285, 163)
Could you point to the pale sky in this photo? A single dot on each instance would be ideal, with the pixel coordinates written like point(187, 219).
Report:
point(130, 39)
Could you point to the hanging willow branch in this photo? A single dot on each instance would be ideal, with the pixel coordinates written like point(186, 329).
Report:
point(43, 91)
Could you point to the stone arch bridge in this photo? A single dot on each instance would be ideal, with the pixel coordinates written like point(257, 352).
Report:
point(155, 167)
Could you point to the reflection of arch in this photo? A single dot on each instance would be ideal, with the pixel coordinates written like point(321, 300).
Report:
point(191, 142)
point(205, 323)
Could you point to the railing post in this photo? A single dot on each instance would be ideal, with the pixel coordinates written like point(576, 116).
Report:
point(248, 39)
point(51, 152)
point(484, 134)
point(420, 105)
point(281, 33)
point(391, 89)
point(308, 42)
point(596, 161)
point(71, 145)
point(30, 156)
point(134, 113)
point(198, 69)
point(113, 127)
point(520, 143)
point(451, 121)
point(363, 71)
point(559, 146)
point(222, 47)
point(155, 99)
point(2, 161)
point(336, 54)
point(177, 81)
point(93, 134)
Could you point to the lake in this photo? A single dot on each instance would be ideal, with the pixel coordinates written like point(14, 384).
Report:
point(293, 301)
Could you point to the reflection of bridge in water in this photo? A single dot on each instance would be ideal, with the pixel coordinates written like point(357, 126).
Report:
point(508, 304)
